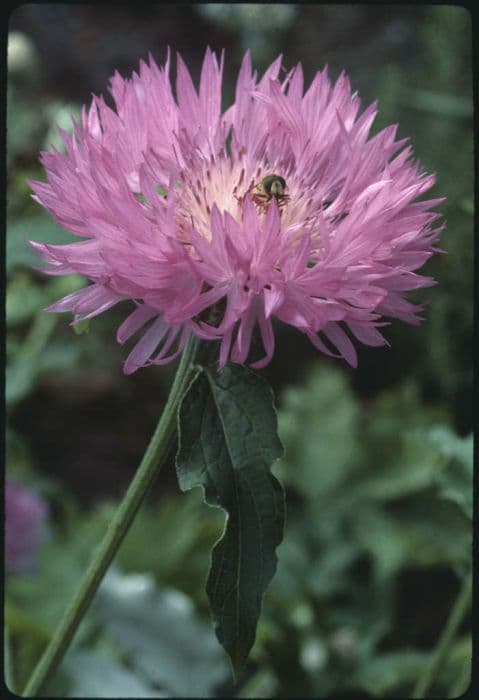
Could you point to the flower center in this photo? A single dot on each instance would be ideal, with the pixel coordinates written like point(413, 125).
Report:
point(226, 184)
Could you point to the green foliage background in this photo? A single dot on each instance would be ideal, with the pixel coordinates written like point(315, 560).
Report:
point(378, 461)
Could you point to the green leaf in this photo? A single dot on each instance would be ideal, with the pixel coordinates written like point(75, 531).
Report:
point(189, 527)
point(21, 374)
point(454, 481)
point(391, 673)
point(39, 227)
point(94, 675)
point(228, 441)
point(159, 633)
point(318, 426)
point(26, 295)
point(24, 298)
point(422, 530)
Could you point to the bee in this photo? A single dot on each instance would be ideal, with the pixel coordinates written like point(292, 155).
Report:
point(269, 187)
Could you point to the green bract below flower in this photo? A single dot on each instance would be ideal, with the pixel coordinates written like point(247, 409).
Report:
point(213, 223)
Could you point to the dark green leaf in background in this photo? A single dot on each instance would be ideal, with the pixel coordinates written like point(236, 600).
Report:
point(228, 441)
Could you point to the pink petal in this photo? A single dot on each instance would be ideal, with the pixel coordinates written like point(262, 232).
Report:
point(146, 346)
point(134, 322)
point(339, 338)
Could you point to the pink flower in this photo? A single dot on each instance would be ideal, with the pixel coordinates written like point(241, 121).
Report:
point(25, 527)
point(169, 199)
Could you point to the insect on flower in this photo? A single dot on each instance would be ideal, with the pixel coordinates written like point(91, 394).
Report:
point(270, 186)
point(284, 207)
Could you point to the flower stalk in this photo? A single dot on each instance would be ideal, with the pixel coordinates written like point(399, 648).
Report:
point(459, 610)
point(118, 527)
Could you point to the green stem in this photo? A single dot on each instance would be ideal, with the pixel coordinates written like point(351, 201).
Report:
point(462, 683)
point(117, 528)
point(8, 664)
point(453, 623)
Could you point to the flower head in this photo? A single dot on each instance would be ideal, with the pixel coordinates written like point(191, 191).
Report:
point(214, 223)
point(25, 527)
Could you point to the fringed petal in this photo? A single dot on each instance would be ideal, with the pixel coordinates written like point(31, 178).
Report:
point(145, 347)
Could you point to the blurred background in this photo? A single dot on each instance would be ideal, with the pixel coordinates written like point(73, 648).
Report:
point(378, 463)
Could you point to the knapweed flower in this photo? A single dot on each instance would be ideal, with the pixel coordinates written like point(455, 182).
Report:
point(25, 527)
point(214, 223)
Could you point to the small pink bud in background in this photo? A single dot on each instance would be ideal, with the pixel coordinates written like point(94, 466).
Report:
point(26, 514)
